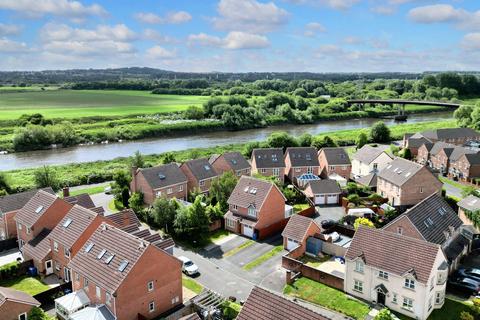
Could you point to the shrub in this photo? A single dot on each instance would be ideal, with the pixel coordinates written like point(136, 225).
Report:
point(363, 222)
point(380, 132)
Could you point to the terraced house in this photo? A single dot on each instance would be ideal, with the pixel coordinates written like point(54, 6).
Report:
point(269, 162)
point(161, 181)
point(457, 136)
point(301, 161)
point(466, 166)
point(231, 161)
point(199, 173)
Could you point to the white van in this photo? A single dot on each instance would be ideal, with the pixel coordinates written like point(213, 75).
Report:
point(362, 213)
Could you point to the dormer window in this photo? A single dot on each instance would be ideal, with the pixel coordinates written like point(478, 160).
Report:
point(359, 266)
point(252, 212)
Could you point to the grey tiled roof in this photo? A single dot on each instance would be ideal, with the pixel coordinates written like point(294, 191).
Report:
point(268, 158)
point(235, 160)
point(439, 146)
point(399, 171)
point(473, 158)
point(370, 180)
point(16, 201)
point(297, 227)
point(456, 247)
point(417, 142)
point(302, 156)
point(367, 154)
point(163, 176)
point(336, 156)
point(8, 294)
point(450, 133)
point(83, 200)
point(324, 186)
point(201, 169)
point(470, 203)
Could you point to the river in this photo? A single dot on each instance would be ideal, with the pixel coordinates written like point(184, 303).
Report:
point(110, 151)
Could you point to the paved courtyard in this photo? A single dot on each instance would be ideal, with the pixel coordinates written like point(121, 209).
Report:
point(334, 213)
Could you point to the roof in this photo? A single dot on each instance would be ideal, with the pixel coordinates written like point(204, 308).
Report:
point(302, 156)
point(72, 226)
point(268, 158)
point(418, 142)
point(399, 171)
point(100, 312)
point(251, 191)
point(473, 158)
point(8, 294)
point(439, 146)
point(162, 176)
point(432, 217)
point(456, 247)
point(265, 305)
point(16, 201)
point(336, 156)
point(193, 316)
point(73, 301)
point(368, 153)
point(39, 247)
point(459, 151)
point(35, 207)
point(450, 133)
point(470, 203)
point(399, 256)
point(235, 160)
point(428, 145)
point(201, 168)
point(124, 218)
point(324, 186)
point(297, 227)
point(370, 180)
point(83, 200)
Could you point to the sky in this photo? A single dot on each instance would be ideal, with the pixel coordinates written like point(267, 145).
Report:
point(241, 35)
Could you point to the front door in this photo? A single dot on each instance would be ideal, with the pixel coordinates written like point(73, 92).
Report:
point(48, 267)
point(380, 297)
point(66, 272)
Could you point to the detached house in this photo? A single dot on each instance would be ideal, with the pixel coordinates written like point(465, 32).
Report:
point(433, 220)
point(334, 161)
point(161, 181)
point(369, 160)
point(15, 304)
point(269, 162)
point(9, 206)
point(128, 276)
point(323, 192)
point(256, 207)
point(231, 161)
point(200, 174)
point(301, 161)
point(405, 274)
point(406, 183)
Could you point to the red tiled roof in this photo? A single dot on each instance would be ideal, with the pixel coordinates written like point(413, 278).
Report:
point(297, 227)
point(251, 191)
point(124, 218)
point(16, 201)
point(39, 247)
point(41, 200)
point(8, 294)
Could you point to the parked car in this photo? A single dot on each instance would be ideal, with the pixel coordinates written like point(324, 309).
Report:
point(463, 284)
point(188, 267)
point(471, 273)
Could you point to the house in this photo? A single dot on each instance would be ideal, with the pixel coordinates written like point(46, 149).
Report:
point(370, 180)
point(457, 136)
point(323, 192)
point(405, 274)
point(469, 211)
point(297, 231)
point(466, 166)
point(15, 304)
point(200, 174)
point(423, 154)
point(161, 181)
point(231, 161)
point(255, 207)
point(414, 144)
point(34, 221)
point(9, 206)
point(369, 160)
point(433, 220)
point(406, 183)
point(269, 162)
point(334, 161)
point(121, 271)
point(262, 304)
point(300, 161)
point(440, 155)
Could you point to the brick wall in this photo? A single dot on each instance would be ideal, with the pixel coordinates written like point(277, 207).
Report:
point(10, 310)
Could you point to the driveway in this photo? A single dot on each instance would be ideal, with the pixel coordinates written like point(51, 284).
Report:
point(334, 213)
point(102, 200)
point(9, 256)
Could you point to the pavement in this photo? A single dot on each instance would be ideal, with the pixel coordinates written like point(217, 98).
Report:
point(334, 213)
point(9, 256)
point(453, 191)
point(102, 200)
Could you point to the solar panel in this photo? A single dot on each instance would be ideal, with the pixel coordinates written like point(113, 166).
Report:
point(123, 265)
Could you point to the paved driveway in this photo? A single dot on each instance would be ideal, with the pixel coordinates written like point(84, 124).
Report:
point(334, 213)
point(102, 200)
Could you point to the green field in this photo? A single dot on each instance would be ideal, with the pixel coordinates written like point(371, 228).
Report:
point(87, 103)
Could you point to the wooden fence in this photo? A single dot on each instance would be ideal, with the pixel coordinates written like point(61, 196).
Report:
point(8, 244)
point(47, 298)
point(15, 271)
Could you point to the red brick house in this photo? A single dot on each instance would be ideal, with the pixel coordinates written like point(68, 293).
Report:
point(334, 161)
point(423, 154)
point(9, 206)
point(161, 181)
point(414, 143)
point(15, 304)
point(457, 136)
point(121, 271)
point(269, 162)
point(299, 161)
point(231, 161)
point(254, 206)
point(199, 173)
point(297, 231)
point(466, 166)
point(34, 222)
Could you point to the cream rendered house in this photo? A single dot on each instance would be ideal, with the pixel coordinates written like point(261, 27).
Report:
point(369, 160)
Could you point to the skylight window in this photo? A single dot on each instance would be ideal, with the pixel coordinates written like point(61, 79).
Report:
point(123, 265)
point(100, 255)
point(234, 161)
point(109, 258)
point(89, 247)
point(39, 209)
point(246, 189)
point(67, 223)
point(308, 157)
point(253, 191)
point(442, 211)
point(207, 167)
point(161, 176)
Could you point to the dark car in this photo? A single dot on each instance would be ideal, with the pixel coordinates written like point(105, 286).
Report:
point(471, 273)
point(466, 285)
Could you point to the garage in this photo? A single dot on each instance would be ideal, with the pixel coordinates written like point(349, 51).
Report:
point(291, 244)
point(247, 231)
point(319, 199)
point(332, 199)
point(323, 192)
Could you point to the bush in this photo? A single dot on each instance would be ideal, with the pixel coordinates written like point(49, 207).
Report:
point(384, 314)
point(363, 222)
point(194, 113)
point(230, 310)
point(380, 133)
point(46, 177)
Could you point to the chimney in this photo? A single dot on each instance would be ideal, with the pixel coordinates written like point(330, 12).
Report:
point(66, 192)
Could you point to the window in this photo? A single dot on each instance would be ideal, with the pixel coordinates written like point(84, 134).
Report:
point(98, 293)
point(394, 298)
point(409, 283)
point(407, 304)
point(375, 166)
point(175, 300)
point(28, 230)
point(57, 266)
point(150, 286)
point(77, 276)
point(344, 168)
point(358, 286)
point(359, 266)
point(19, 226)
point(55, 246)
point(108, 298)
point(297, 169)
point(276, 172)
point(234, 207)
point(66, 252)
point(159, 194)
point(202, 183)
point(438, 298)
point(251, 211)
point(383, 274)
point(151, 307)
point(230, 223)
point(263, 170)
point(421, 189)
point(400, 230)
point(22, 316)
point(180, 188)
point(169, 191)
point(85, 282)
point(430, 304)
point(310, 170)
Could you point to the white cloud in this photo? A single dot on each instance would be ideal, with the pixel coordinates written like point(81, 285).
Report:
point(176, 17)
point(250, 16)
point(153, 35)
point(445, 13)
point(63, 8)
point(158, 52)
point(313, 28)
point(352, 40)
point(9, 29)
point(234, 40)
point(334, 4)
point(471, 41)
point(10, 46)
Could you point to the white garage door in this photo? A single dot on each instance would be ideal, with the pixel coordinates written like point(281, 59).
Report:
point(320, 199)
point(247, 231)
point(332, 198)
point(291, 244)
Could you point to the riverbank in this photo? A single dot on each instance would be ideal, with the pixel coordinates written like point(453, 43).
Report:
point(99, 171)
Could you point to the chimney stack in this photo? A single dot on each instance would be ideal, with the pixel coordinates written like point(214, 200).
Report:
point(66, 192)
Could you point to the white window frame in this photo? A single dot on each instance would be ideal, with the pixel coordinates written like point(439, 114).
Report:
point(151, 306)
point(310, 170)
point(359, 266)
point(98, 292)
point(169, 191)
point(66, 252)
point(28, 230)
point(19, 226)
point(276, 171)
point(85, 283)
point(407, 304)
point(23, 314)
point(108, 298)
point(263, 170)
point(201, 183)
point(55, 246)
point(180, 188)
point(394, 298)
point(400, 230)
point(150, 286)
point(358, 285)
point(230, 223)
point(383, 274)
point(158, 194)
point(252, 212)
point(409, 284)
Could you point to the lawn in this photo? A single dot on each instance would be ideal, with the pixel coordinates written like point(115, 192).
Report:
point(300, 206)
point(327, 297)
point(452, 183)
point(450, 311)
point(191, 284)
point(85, 103)
point(263, 258)
point(244, 245)
point(314, 262)
point(30, 285)
point(218, 235)
point(89, 190)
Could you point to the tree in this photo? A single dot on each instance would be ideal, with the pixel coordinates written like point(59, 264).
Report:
point(405, 153)
point(168, 158)
point(380, 132)
point(323, 142)
point(38, 314)
point(194, 113)
point(248, 148)
point(120, 186)
point(191, 223)
point(463, 116)
point(469, 190)
point(362, 140)
point(4, 184)
point(300, 92)
point(136, 204)
point(305, 140)
point(163, 213)
point(363, 222)
point(465, 315)
point(137, 160)
point(281, 139)
point(221, 188)
point(384, 314)
point(46, 177)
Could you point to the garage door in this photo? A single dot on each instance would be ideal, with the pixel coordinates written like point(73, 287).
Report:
point(248, 231)
point(331, 199)
point(291, 244)
point(320, 199)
